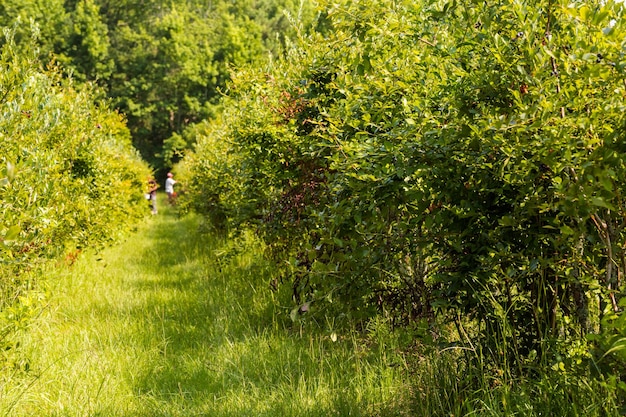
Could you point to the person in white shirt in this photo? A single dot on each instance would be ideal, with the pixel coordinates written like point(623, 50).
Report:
point(169, 188)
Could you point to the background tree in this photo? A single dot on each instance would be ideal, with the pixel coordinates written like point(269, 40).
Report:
point(85, 52)
point(50, 17)
point(163, 63)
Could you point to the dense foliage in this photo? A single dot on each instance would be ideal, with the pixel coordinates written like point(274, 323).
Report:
point(69, 176)
point(162, 62)
point(451, 165)
point(455, 159)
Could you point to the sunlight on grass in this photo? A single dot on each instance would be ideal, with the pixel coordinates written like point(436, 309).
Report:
point(174, 323)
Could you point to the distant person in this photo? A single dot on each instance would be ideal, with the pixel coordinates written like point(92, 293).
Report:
point(152, 189)
point(169, 188)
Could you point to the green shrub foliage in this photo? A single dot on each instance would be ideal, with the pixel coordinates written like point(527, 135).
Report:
point(461, 158)
point(69, 176)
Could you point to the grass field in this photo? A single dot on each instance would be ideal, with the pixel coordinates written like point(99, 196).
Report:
point(176, 322)
point(172, 322)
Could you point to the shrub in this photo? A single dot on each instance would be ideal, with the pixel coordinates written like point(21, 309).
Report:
point(459, 159)
point(69, 177)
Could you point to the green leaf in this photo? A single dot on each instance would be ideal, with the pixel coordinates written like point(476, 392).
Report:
point(600, 16)
point(585, 12)
point(617, 346)
point(597, 201)
point(10, 171)
point(590, 57)
point(607, 183)
point(12, 233)
point(293, 315)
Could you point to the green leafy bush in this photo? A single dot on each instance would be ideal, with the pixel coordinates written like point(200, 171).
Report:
point(456, 159)
point(69, 177)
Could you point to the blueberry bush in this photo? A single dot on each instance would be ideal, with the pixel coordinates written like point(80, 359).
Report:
point(69, 176)
point(453, 161)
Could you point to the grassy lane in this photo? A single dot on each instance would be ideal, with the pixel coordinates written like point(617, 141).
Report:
point(175, 323)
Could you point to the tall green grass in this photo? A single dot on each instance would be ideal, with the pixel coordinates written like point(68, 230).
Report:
point(177, 323)
point(451, 383)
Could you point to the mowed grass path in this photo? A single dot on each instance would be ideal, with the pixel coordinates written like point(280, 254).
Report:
point(172, 322)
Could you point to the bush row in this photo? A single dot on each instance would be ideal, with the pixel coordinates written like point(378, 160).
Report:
point(69, 177)
point(459, 160)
